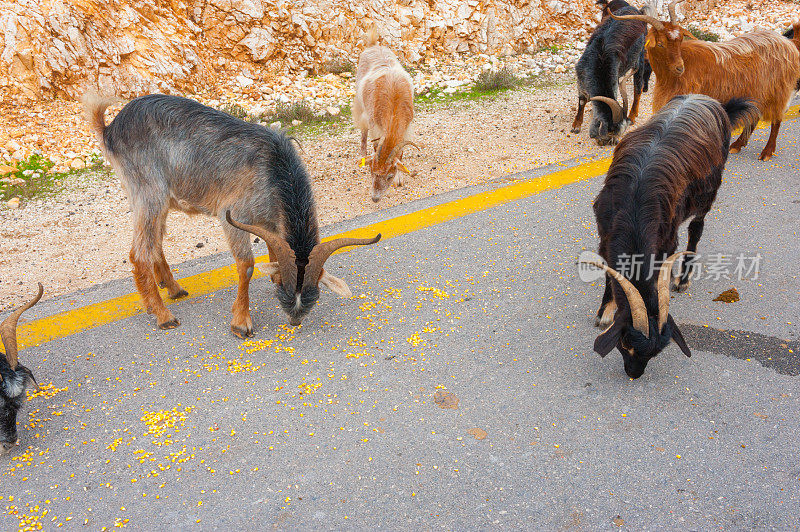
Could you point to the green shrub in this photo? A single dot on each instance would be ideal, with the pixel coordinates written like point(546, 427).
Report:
point(703, 35)
point(490, 81)
point(286, 112)
point(339, 65)
point(237, 111)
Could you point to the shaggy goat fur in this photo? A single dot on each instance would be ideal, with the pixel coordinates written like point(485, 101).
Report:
point(661, 174)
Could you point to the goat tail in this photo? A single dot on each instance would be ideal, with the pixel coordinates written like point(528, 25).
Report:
point(371, 37)
point(94, 107)
point(741, 112)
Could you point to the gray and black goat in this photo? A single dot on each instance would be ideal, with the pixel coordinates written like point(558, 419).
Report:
point(614, 49)
point(173, 153)
point(14, 377)
point(793, 34)
point(661, 174)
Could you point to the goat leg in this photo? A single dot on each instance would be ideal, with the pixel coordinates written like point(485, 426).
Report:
point(637, 94)
point(364, 135)
point(242, 324)
point(275, 277)
point(607, 308)
point(578, 122)
point(769, 149)
point(146, 285)
point(165, 279)
point(682, 283)
point(741, 142)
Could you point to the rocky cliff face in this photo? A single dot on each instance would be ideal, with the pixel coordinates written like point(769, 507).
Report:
point(129, 47)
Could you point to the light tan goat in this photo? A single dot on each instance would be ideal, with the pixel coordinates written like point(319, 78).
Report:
point(383, 109)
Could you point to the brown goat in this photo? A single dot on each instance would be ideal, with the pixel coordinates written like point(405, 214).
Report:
point(383, 108)
point(761, 65)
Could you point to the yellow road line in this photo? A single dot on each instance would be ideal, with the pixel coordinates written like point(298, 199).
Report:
point(96, 314)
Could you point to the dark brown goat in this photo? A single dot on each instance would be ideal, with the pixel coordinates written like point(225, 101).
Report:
point(661, 174)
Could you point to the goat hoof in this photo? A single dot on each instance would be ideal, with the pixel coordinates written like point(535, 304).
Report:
point(242, 332)
point(735, 150)
point(765, 157)
point(169, 324)
point(576, 130)
point(678, 286)
point(181, 293)
point(601, 322)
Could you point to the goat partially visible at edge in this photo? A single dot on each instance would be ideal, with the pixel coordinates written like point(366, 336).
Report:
point(663, 173)
point(383, 108)
point(14, 377)
point(172, 153)
point(614, 49)
point(761, 66)
point(793, 34)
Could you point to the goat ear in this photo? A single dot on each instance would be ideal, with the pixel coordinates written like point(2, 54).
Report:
point(609, 338)
point(267, 268)
point(402, 167)
point(688, 35)
point(336, 285)
point(678, 337)
point(364, 161)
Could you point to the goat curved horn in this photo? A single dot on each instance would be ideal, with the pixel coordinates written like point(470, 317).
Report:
point(664, 278)
point(673, 16)
point(638, 311)
point(285, 254)
point(617, 113)
point(8, 330)
point(378, 147)
point(400, 147)
point(653, 21)
point(323, 250)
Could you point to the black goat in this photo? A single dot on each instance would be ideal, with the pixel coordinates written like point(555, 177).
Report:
point(613, 49)
point(14, 377)
point(793, 34)
point(612, 7)
point(174, 153)
point(661, 174)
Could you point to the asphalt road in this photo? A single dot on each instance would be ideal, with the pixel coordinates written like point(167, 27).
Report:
point(342, 423)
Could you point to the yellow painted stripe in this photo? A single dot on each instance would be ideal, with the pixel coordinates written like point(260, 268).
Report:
point(94, 315)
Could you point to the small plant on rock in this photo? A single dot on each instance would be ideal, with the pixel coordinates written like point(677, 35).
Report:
point(703, 35)
point(491, 81)
point(237, 111)
point(338, 66)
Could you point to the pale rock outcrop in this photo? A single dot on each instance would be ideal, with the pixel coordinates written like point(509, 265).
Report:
point(129, 47)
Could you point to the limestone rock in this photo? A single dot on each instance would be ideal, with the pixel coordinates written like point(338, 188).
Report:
point(131, 47)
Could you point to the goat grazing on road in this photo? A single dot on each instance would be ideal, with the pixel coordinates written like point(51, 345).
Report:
point(661, 174)
point(611, 7)
point(761, 66)
point(383, 108)
point(613, 49)
point(793, 34)
point(14, 377)
point(174, 153)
